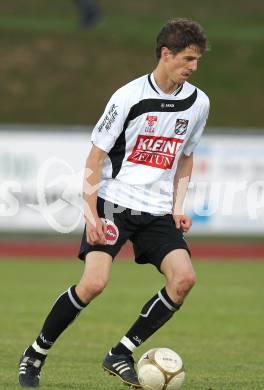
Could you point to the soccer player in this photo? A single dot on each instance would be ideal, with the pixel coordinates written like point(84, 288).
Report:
point(142, 156)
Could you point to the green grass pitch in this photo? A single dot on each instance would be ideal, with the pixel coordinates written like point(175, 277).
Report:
point(219, 331)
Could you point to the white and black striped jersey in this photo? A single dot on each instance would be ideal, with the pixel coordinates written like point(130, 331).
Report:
point(144, 131)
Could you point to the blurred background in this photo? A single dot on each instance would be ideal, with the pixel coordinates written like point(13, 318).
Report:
point(60, 62)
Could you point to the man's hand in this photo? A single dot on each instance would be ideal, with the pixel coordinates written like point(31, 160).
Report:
point(95, 233)
point(182, 222)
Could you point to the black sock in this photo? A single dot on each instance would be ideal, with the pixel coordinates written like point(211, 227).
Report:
point(64, 311)
point(156, 312)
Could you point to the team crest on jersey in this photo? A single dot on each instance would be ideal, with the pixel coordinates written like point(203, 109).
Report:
point(156, 152)
point(181, 126)
point(151, 122)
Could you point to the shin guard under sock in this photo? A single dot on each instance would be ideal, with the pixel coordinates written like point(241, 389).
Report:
point(64, 311)
point(156, 312)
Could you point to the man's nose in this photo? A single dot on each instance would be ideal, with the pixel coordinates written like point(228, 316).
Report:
point(194, 65)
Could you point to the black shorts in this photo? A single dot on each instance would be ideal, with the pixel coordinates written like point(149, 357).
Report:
point(153, 237)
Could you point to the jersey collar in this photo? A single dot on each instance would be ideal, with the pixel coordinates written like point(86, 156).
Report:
point(156, 88)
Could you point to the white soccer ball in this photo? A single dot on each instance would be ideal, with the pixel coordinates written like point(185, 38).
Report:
point(160, 369)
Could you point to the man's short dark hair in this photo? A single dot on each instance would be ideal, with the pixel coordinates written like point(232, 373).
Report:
point(177, 34)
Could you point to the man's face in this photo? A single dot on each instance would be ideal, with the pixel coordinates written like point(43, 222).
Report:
point(180, 66)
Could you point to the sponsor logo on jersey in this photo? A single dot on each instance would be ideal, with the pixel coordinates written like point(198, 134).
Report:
point(151, 121)
point(181, 126)
point(109, 119)
point(157, 152)
point(167, 105)
point(112, 232)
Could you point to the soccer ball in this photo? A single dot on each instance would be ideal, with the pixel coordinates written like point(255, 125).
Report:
point(160, 369)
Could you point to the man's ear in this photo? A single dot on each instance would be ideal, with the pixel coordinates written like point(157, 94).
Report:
point(165, 53)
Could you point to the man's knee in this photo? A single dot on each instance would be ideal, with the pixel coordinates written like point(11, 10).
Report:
point(179, 273)
point(97, 286)
point(90, 289)
point(181, 284)
point(187, 280)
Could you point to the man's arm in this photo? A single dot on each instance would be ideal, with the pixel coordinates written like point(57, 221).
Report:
point(181, 181)
point(92, 177)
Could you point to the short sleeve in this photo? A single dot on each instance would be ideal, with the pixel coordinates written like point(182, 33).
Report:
point(111, 123)
point(198, 129)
